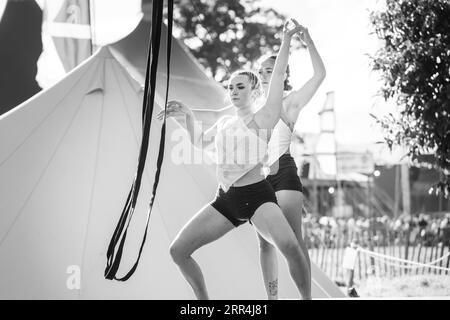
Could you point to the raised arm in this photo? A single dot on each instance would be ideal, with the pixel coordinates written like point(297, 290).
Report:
point(269, 114)
point(298, 99)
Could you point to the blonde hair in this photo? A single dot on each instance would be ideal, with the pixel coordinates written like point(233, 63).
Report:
point(253, 78)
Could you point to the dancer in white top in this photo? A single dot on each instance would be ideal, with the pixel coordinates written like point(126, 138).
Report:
point(244, 193)
point(283, 174)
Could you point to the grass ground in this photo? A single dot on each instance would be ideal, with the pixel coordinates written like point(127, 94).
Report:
point(405, 286)
point(330, 261)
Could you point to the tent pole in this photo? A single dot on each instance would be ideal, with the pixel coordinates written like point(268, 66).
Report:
point(91, 24)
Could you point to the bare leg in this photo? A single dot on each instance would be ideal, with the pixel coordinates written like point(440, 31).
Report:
point(271, 224)
point(205, 227)
point(291, 203)
point(269, 266)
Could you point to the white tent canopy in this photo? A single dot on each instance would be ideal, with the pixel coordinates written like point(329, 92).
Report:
point(67, 159)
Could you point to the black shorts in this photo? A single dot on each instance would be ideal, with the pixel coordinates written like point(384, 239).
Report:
point(239, 204)
point(287, 177)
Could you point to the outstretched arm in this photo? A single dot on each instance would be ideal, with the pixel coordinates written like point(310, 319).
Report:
point(269, 114)
point(206, 117)
point(176, 109)
point(298, 99)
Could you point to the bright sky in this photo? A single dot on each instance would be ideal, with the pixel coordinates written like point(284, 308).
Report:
point(340, 30)
point(2, 7)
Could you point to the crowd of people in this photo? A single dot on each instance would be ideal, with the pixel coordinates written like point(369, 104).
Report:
point(329, 231)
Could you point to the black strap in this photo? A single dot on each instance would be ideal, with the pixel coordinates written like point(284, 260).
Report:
point(120, 233)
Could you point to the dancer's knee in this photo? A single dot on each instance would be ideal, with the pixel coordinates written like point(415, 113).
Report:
point(178, 252)
point(289, 247)
point(265, 246)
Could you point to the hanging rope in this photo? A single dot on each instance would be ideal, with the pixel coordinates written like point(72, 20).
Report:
point(114, 254)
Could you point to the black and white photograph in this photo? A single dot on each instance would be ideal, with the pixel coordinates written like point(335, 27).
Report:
point(230, 150)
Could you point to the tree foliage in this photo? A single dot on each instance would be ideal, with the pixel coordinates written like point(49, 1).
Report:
point(226, 35)
point(414, 63)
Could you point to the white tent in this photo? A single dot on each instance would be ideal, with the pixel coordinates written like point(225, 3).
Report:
point(67, 159)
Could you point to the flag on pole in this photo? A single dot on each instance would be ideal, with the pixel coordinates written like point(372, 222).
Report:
point(68, 24)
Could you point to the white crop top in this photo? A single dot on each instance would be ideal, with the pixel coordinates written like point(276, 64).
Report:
point(280, 141)
point(239, 149)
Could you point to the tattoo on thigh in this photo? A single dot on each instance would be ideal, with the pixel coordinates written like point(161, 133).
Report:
point(273, 287)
